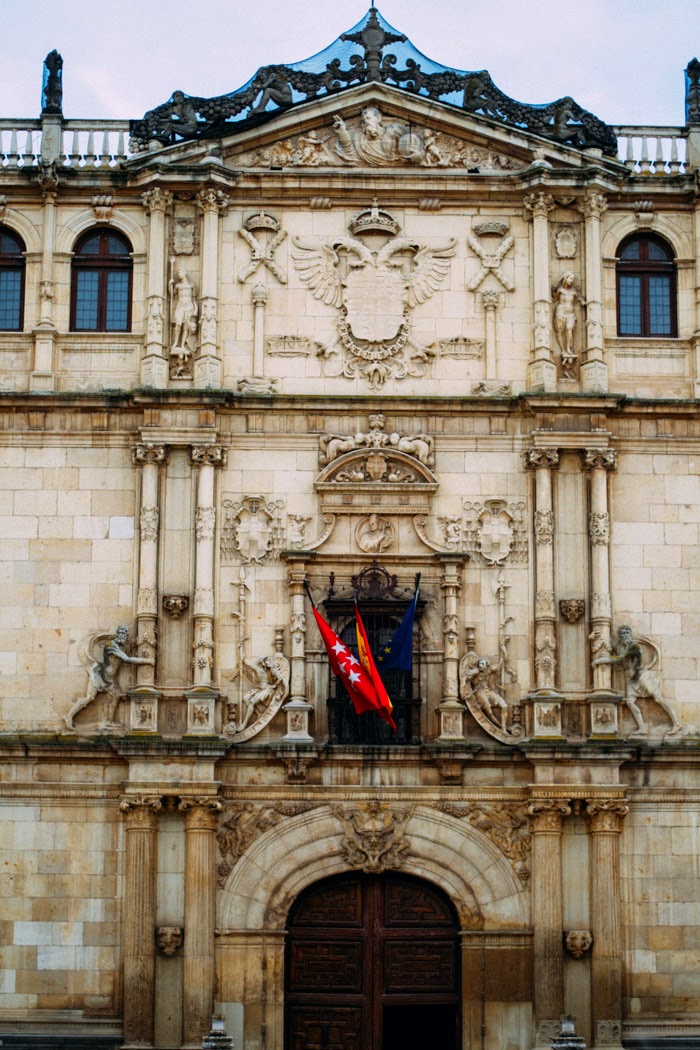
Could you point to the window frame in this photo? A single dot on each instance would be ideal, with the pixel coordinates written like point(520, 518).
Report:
point(14, 262)
point(645, 268)
point(103, 264)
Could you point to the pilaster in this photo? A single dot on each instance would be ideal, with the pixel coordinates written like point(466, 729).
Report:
point(451, 710)
point(599, 461)
point(207, 458)
point(208, 365)
point(154, 364)
point(543, 461)
point(594, 370)
point(43, 372)
point(542, 370)
point(150, 458)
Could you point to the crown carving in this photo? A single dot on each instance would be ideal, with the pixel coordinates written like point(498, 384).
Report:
point(374, 220)
point(262, 221)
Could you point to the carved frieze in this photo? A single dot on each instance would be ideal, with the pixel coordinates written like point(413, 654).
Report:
point(506, 826)
point(420, 446)
point(252, 529)
point(243, 822)
point(374, 835)
point(374, 295)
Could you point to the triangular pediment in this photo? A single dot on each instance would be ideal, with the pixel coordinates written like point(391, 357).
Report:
point(370, 99)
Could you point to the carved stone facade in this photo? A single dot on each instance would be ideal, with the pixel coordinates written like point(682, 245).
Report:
point(372, 349)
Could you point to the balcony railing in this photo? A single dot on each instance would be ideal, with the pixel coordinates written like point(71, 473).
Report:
point(85, 143)
point(652, 150)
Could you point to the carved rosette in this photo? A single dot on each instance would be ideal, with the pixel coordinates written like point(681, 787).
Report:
point(505, 825)
point(157, 199)
point(149, 453)
point(547, 814)
point(374, 836)
point(606, 815)
point(599, 528)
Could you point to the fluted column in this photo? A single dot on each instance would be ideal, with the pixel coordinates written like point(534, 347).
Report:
point(594, 370)
point(43, 372)
point(543, 461)
point(604, 819)
point(141, 848)
point(599, 461)
point(542, 370)
point(149, 457)
point(546, 822)
point(207, 457)
point(208, 365)
point(154, 365)
point(201, 822)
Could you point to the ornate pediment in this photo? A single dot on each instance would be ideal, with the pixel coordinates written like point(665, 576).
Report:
point(372, 52)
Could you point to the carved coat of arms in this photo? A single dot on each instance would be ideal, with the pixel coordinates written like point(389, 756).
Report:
point(374, 289)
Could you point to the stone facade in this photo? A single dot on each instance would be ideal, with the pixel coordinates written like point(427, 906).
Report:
point(372, 336)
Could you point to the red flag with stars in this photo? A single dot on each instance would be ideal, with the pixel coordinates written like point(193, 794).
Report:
point(384, 708)
point(357, 681)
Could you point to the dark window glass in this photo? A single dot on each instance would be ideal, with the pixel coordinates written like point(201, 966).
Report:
point(646, 287)
point(11, 282)
point(101, 285)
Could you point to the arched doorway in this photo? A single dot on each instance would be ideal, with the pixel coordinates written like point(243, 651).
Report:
point(372, 961)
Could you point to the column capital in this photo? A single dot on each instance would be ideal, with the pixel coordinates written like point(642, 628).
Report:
point(211, 200)
point(490, 300)
point(599, 458)
point(157, 199)
point(212, 455)
point(541, 457)
point(141, 811)
point(201, 812)
point(606, 815)
point(547, 814)
point(593, 205)
point(539, 204)
point(149, 453)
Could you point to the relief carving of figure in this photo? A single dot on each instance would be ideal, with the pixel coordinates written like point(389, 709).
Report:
point(641, 681)
point(476, 677)
point(374, 534)
point(183, 316)
point(271, 675)
point(566, 299)
point(102, 674)
point(375, 142)
point(181, 120)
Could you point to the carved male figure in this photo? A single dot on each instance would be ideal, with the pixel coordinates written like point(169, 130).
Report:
point(102, 675)
point(184, 308)
point(477, 677)
point(640, 682)
point(566, 299)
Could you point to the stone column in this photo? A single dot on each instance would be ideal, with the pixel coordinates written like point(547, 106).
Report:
point(604, 818)
point(297, 708)
point(490, 301)
point(259, 296)
point(149, 457)
point(542, 370)
point(543, 461)
point(154, 364)
point(207, 458)
point(594, 370)
point(599, 461)
point(201, 822)
point(208, 365)
point(141, 848)
point(696, 232)
point(450, 709)
point(43, 373)
point(546, 821)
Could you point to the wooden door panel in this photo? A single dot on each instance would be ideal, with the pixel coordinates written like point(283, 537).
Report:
point(335, 1028)
point(421, 968)
point(326, 966)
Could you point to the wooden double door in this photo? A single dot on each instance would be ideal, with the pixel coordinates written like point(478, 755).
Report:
point(372, 963)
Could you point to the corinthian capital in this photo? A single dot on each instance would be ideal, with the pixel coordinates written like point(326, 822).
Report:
point(599, 458)
point(213, 200)
point(213, 455)
point(593, 205)
point(157, 199)
point(149, 453)
point(547, 814)
point(542, 457)
point(605, 814)
point(539, 204)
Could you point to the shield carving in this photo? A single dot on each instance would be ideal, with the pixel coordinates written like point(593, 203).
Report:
point(375, 298)
point(496, 536)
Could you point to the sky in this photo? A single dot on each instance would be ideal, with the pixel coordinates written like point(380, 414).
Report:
point(621, 59)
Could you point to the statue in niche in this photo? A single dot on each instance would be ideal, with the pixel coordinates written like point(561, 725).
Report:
point(566, 299)
point(641, 681)
point(102, 675)
point(184, 312)
point(476, 677)
point(271, 675)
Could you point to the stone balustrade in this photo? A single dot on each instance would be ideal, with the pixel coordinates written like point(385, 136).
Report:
point(650, 150)
point(85, 143)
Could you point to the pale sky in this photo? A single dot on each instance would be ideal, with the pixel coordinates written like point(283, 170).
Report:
point(621, 59)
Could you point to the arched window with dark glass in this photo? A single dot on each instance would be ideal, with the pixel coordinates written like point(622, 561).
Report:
point(646, 287)
point(101, 283)
point(11, 281)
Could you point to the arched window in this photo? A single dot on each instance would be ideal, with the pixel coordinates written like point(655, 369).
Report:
point(11, 281)
point(101, 283)
point(646, 287)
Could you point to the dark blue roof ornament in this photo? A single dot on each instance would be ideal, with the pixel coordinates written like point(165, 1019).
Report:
point(357, 57)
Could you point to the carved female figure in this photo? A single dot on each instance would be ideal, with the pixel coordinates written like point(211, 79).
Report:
point(184, 309)
point(566, 299)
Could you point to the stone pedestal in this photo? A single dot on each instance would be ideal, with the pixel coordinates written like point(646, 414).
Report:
point(297, 712)
point(143, 710)
point(604, 719)
point(201, 711)
point(451, 714)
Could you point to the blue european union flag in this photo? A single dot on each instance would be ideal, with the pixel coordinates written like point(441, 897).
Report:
point(398, 653)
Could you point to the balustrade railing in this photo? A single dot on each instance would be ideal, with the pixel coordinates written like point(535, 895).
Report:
point(658, 150)
point(85, 143)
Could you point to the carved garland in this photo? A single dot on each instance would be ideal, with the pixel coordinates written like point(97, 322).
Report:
point(505, 825)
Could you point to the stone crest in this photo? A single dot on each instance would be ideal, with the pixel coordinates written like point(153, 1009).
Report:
point(373, 837)
point(374, 287)
point(251, 530)
point(495, 530)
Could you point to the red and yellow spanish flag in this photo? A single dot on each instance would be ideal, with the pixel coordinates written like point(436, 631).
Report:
point(384, 705)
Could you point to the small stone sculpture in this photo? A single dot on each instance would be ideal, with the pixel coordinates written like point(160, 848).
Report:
point(641, 682)
point(169, 939)
point(272, 676)
point(566, 299)
point(477, 676)
point(102, 675)
point(183, 320)
point(578, 942)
